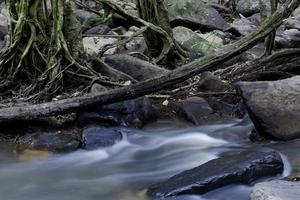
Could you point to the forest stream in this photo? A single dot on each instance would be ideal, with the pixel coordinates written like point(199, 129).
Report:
point(124, 171)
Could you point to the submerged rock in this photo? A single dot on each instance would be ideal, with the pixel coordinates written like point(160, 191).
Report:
point(274, 106)
point(195, 14)
point(136, 68)
point(97, 136)
point(243, 167)
point(58, 141)
point(276, 190)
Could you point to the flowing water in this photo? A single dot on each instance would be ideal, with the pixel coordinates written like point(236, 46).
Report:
point(123, 171)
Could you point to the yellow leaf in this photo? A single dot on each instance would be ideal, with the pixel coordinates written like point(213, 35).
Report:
point(165, 103)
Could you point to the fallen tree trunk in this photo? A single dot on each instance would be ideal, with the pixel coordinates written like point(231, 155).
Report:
point(282, 61)
point(152, 85)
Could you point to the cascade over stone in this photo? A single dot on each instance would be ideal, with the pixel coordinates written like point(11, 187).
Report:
point(243, 167)
point(97, 136)
point(274, 106)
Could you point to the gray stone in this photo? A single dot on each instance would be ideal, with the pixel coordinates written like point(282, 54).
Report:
point(136, 68)
point(97, 88)
point(276, 190)
point(243, 26)
point(274, 106)
point(288, 39)
point(93, 45)
point(195, 13)
point(243, 167)
point(211, 83)
point(249, 7)
point(82, 15)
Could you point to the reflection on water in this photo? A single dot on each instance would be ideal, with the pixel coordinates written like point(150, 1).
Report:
point(124, 170)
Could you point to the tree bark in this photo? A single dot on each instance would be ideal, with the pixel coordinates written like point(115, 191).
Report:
point(139, 89)
point(286, 60)
point(156, 12)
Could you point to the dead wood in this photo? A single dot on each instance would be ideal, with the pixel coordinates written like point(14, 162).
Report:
point(152, 85)
point(282, 61)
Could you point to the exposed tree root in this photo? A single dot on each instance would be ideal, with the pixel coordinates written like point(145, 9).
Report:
point(286, 60)
point(42, 48)
point(167, 41)
point(122, 42)
point(152, 85)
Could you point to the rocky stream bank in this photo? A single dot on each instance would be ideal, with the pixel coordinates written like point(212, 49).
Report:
point(271, 100)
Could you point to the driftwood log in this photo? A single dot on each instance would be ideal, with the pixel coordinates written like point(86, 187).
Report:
point(65, 106)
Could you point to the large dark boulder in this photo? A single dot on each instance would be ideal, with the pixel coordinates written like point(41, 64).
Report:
point(243, 167)
point(136, 68)
point(274, 106)
point(131, 113)
point(96, 136)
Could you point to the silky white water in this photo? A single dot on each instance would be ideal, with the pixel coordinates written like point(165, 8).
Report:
point(125, 170)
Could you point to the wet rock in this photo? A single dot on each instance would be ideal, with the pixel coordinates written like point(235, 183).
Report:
point(243, 26)
point(136, 68)
point(211, 83)
point(296, 13)
point(243, 167)
point(58, 141)
point(82, 15)
point(196, 110)
point(250, 7)
point(97, 136)
point(97, 88)
point(288, 39)
point(195, 14)
point(276, 190)
point(291, 24)
point(274, 106)
point(194, 42)
point(131, 113)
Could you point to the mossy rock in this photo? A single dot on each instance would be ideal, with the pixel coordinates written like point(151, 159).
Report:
point(196, 14)
point(193, 41)
point(250, 7)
